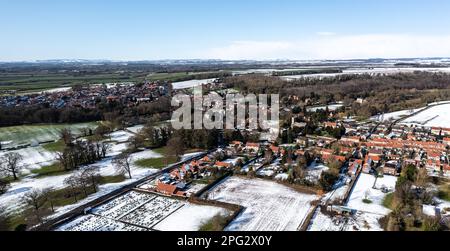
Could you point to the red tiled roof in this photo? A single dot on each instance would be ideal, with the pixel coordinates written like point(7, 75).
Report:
point(166, 188)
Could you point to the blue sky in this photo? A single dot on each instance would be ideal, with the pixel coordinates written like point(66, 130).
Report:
point(231, 29)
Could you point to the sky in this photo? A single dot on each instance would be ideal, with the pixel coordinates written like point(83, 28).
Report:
point(223, 29)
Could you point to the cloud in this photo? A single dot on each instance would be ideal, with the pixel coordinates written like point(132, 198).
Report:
point(337, 47)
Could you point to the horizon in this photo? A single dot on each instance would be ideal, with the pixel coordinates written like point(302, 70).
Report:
point(228, 30)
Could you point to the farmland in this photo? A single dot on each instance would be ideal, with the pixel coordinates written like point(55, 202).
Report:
point(432, 117)
point(269, 206)
point(28, 134)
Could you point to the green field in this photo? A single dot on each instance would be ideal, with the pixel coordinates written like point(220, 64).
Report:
point(52, 170)
point(157, 163)
point(28, 82)
point(27, 134)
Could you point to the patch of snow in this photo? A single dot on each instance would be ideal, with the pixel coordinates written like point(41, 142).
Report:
point(269, 206)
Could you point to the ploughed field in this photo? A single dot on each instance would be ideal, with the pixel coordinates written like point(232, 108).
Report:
point(268, 206)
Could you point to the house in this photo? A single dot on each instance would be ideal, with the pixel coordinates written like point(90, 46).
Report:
point(236, 144)
point(223, 164)
point(206, 159)
point(353, 167)
point(254, 147)
point(391, 167)
point(275, 149)
point(350, 140)
point(330, 124)
point(167, 189)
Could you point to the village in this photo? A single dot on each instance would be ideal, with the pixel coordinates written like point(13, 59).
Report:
point(88, 97)
point(369, 159)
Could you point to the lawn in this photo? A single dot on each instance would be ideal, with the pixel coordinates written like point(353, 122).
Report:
point(64, 197)
point(388, 201)
point(112, 179)
point(157, 163)
point(52, 170)
point(57, 146)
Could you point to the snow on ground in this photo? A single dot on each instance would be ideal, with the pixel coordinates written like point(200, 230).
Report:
point(12, 198)
point(135, 129)
point(191, 155)
point(269, 206)
point(371, 71)
point(359, 222)
point(337, 194)
point(282, 176)
point(31, 134)
point(97, 223)
point(364, 187)
point(190, 217)
point(367, 216)
point(332, 107)
point(137, 211)
point(192, 83)
point(120, 136)
point(436, 116)
point(270, 169)
point(314, 171)
point(33, 157)
point(122, 205)
point(395, 115)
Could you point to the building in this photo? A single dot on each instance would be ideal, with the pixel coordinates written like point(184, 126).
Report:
point(391, 167)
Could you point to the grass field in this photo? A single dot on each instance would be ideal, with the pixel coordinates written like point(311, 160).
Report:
point(28, 82)
point(57, 146)
point(157, 163)
point(27, 134)
point(52, 170)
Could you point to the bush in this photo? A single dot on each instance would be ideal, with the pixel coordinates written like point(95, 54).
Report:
point(367, 201)
point(328, 178)
point(216, 223)
point(4, 186)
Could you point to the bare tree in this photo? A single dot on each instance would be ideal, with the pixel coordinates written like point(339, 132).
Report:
point(36, 199)
point(91, 175)
point(10, 163)
point(66, 136)
point(175, 147)
point(137, 141)
point(378, 172)
point(123, 163)
point(72, 183)
point(104, 148)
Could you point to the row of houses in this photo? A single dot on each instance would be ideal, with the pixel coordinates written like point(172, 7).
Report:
point(88, 96)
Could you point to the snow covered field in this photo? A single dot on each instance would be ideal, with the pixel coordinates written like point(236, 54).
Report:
point(12, 199)
point(33, 157)
point(395, 115)
point(371, 71)
point(29, 134)
point(364, 188)
point(137, 211)
point(269, 206)
point(367, 216)
point(436, 116)
point(190, 217)
point(192, 83)
point(359, 222)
